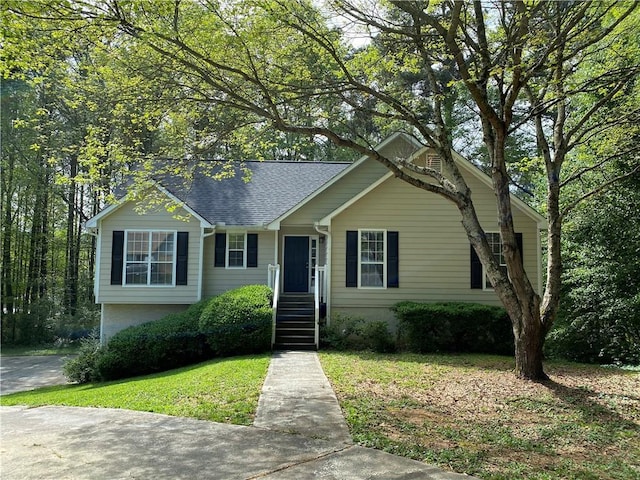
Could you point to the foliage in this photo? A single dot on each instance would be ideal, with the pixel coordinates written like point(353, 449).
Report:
point(238, 321)
point(600, 320)
point(83, 368)
point(274, 78)
point(221, 390)
point(347, 332)
point(173, 341)
point(454, 327)
point(468, 414)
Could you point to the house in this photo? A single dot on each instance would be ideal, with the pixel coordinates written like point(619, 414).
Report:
point(348, 237)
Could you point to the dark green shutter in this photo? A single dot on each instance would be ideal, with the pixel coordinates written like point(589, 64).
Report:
point(182, 258)
point(252, 250)
point(220, 250)
point(352, 259)
point(393, 260)
point(117, 257)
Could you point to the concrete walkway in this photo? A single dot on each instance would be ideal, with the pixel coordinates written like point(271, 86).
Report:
point(308, 439)
point(18, 374)
point(297, 398)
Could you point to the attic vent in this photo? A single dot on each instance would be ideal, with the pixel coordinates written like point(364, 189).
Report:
point(429, 159)
point(433, 161)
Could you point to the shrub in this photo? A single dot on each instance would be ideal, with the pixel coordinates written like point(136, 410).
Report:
point(83, 368)
point(171, 342)
point(454, 327)
point(355, 333)
point(239, 321)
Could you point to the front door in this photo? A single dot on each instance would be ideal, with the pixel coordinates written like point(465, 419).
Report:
point(296, 264)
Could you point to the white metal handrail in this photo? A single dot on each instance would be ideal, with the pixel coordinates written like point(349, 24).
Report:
point(319, 290)
point(273, 281)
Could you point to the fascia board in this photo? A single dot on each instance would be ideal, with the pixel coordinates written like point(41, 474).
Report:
point(203, 222)
point(93, 221)
point(326, 221)
point(275, 224)
point(484, 178)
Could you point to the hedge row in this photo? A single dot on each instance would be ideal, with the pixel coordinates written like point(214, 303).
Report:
point(236, 322)
point(454, 327)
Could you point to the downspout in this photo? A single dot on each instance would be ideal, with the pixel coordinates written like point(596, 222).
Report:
point(327, 234)
point(203, 235)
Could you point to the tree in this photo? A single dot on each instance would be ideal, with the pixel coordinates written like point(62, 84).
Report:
point(517, 65)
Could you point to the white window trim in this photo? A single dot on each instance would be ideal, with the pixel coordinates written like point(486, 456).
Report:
point(151, 231)
point(484, 270)
point(384, 263)
point(244, 251)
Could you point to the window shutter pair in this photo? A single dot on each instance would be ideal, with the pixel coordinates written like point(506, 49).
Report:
point(117, 257)
point(393, 257)
point(221, 250)
point(476, 264)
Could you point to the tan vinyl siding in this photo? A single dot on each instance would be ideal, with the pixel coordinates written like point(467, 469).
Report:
point(217, 280)
point(126, 218)
point(119, 317)
point(338, 193)
point(434, 263)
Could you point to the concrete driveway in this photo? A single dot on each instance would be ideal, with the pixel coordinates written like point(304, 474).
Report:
point(18, 374)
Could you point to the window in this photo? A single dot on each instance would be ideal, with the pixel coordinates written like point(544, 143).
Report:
point(372, 258)
point(496, 249)
point(149, 258)
point(236, 250)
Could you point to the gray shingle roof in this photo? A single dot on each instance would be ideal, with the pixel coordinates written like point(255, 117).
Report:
point(273, 189)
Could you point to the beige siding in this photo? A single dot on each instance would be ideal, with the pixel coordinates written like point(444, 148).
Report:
point(434, 262)
point(217, 280)
point(126, 218)
point(119, 317)
point(337, 194)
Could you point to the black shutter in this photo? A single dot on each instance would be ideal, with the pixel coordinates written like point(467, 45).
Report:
point(220, 250)
point(393, 260)
point(476, 270)
point(519, 242)
point(252, 250)
point(352, 259)
point(182, 258)
point(117, 257)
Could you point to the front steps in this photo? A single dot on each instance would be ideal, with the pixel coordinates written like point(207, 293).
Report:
point(295, 323)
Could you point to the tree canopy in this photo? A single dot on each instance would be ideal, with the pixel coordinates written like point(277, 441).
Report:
point(552, 86)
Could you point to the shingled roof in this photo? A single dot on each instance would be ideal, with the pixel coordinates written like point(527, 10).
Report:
point(273, 189)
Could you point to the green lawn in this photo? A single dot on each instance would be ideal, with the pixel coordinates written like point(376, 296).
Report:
point(465, 413)
point(470, 414)
point(222, 390)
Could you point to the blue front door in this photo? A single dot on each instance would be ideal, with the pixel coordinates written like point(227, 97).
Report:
point(296, 264)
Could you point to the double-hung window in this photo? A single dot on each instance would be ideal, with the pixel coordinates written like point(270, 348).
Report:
point(372, 258)
point(150, 257)
point(495, 243)
point(236, 250)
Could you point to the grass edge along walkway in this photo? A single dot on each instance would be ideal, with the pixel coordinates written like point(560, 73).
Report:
point(222, 390)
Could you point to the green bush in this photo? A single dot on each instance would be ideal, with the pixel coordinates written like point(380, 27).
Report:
point(83, 368)
point(346, 332)
point(171, 342)
point(454, 327)
point(239, 321)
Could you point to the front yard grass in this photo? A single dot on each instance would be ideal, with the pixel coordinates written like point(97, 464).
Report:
point(470, 414)
point(221, 390)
